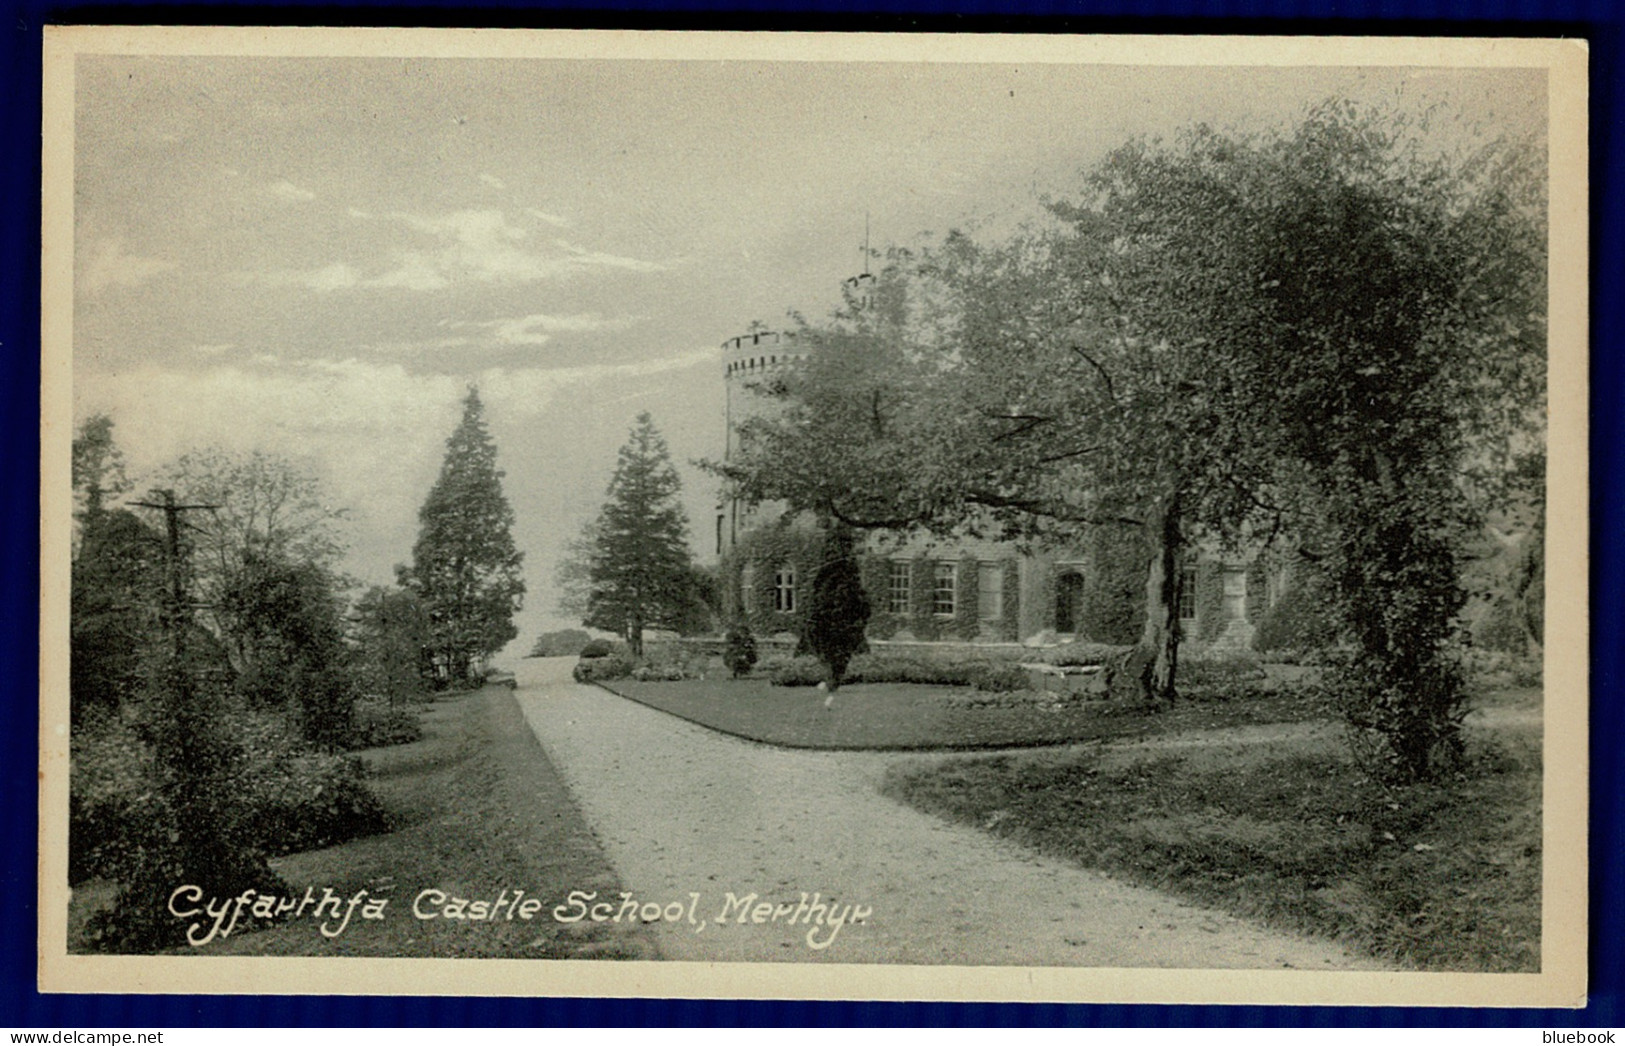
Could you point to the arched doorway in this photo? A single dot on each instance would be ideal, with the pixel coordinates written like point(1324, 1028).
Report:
point(1068, 602)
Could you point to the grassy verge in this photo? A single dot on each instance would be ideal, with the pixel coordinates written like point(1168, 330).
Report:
point(1441, 876)
point(475, 808)
point(910, 716)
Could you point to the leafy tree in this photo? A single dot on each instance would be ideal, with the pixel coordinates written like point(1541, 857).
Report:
point(840, 609)
point(465, 568)
point(392, 637)
point(1398, 323)
point(98, 466)
point(1327, 331)
point(196, 828)
point(633, 562)
point(265, 509)
point(116, 578)
point(292, 617)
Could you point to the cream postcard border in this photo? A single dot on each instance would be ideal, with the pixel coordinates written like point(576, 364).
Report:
point(1562, 980)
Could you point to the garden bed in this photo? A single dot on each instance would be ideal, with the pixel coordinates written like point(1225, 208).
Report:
point(909, 716)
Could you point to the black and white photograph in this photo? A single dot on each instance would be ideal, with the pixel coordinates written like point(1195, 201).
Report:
point(788, 515)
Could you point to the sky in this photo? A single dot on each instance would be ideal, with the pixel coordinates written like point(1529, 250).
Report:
point(316, 256)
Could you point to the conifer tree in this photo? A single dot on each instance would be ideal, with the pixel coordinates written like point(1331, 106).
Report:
point(840, 610)
point(465, 568)
point(639, 567)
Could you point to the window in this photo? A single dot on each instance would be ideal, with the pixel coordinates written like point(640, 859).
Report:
point(990, 591)
point(899, 586)
point(784, 589)
point(1187, 594)
point(942, 589)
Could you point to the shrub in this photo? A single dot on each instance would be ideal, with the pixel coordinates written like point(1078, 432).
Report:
point(311, 800)
point(598, 648)
point(739, 652)
point(794, 671)
point(1074, 654)
point(1304, 618)
point(376, 723)
point(560, 644)
point(992, 676)
point(1497, 669)
point(288, 797)
point(610, 666)
point(1220, 679)
point(839, 610)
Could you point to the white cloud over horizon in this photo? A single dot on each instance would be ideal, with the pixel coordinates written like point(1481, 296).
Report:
point(109, 266)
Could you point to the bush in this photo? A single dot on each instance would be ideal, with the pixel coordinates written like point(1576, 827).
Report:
point(739, 652)
point(376, 723)
point(1074, 654)
point(673, 661)
point(309, 801)
point(1220, 679)
point(1304, 618)
point(660, 673)
point(597, 669)
point(562, 643)
point(290, 797)
point(1498, 670)
point(598, 648)
point(992, 676)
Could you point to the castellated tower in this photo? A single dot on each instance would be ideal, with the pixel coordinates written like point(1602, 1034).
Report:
point(749, 362)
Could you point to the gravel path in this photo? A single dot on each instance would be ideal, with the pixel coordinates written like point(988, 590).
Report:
point(681, 810)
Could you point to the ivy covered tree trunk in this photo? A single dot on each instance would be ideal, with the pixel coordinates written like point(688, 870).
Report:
point(1154, 663)
point(1396, 574)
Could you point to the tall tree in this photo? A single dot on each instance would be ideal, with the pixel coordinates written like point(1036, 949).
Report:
point(638, 571)
point(117, 575)
point(263, 509)
point(840, 609)
point(98, 465)
point(465, 568)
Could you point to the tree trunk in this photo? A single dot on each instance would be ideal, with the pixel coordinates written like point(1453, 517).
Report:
point(1156, 658)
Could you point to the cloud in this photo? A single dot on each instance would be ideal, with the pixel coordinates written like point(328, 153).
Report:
point(466, 246)
point(334, 277)
point(551, 219)
point(482, 246)
point(109, 266)
point(288, 191)
point(492, 180)
point(538, 328)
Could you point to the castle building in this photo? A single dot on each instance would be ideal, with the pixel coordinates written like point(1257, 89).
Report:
point(966, 590)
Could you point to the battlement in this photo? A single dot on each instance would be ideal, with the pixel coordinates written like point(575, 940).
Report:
point(762, 351)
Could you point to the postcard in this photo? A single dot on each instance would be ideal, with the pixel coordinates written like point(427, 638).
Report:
point(797, 515)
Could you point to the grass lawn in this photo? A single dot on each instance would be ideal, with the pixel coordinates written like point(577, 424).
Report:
point(476, 808)
point(909, 716)
point(1286, 829)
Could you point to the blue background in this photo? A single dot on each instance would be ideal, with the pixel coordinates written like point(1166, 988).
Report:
point(22, 1006)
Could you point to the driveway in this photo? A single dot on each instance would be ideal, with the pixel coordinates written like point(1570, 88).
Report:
point(740, 852)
